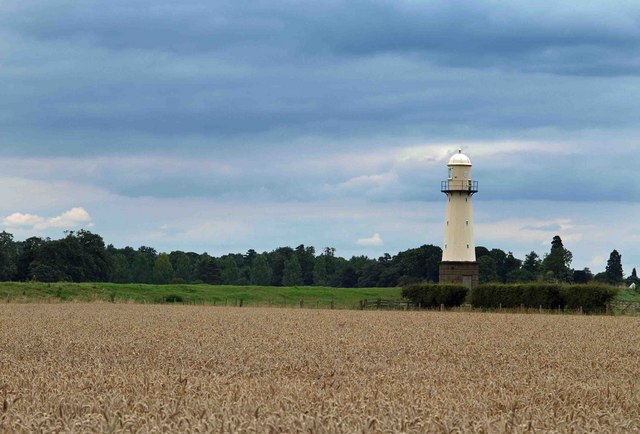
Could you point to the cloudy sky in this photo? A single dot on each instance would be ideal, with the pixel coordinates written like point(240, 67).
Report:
point(224, 126)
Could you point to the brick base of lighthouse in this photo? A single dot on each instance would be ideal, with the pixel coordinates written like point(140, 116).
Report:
point(459, 272)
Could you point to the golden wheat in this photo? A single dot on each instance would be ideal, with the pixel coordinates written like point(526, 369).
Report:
point(139, 368)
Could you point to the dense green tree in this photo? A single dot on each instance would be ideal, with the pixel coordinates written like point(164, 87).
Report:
point(95, 258)
point(499, 257)
point(532, 263)
point(292, 273)
point(633, 278)
point(487, 269)
point(418, 265)
point(261, 273)
point(208, 270)
point(8, 257)
point(121, 269)
point(582, 276)
point(320, 275)
point(613, 270)
point(142, 266)
point(370, 275)
point(277, 259)
point(348, 277)
point(183, 266)
point(162, 269)
point(481, 251)
point(28, 250)
point(307, 258)
point(229, 271)
point(511, 267)
point(558, 261)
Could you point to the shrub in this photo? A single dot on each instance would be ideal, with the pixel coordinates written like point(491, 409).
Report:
point(433, 294)
point(591, 298)
point(492, 295)
point(172, 298)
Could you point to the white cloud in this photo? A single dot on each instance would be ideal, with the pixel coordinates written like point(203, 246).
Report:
point(75, 217)
point(375, 240)
point(367, 183)
point(532, 230)
point(20, 219)
point(597, 261)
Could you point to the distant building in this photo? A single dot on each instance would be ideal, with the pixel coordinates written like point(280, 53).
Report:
point(459, 253)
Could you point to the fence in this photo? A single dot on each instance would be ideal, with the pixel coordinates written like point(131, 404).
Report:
point(387, 304)
point(624, 307)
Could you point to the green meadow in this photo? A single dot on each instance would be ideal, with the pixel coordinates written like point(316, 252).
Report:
point(219, 295)
point(312, 296)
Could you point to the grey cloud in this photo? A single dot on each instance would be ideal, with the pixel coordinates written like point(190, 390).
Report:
point(594, 38)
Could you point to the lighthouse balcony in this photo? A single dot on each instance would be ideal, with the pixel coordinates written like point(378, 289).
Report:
point(465, 185)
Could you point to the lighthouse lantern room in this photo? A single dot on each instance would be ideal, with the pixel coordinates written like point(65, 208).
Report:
point(458, 254)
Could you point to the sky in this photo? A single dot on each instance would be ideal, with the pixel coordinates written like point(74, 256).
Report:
point(226, 126)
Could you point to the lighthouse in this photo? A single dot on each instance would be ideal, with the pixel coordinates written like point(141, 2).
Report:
point(459, 254)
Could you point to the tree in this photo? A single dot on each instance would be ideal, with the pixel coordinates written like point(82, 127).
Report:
point(416, 265)
point(348, 277)
point(613, 271)
point(307, 259)
point(207, 270)
point(487, 270)
point(558, 261)
point(510, 267)
point(162, 269)
point(320, 275)
point(261, 273)
point(8, 257)
point(183, 266)
point(277, 259)
point(229, 272)
point(582, 276)
point(121, 269)
point(292, 273)
point(28, 250)
point(532, 263)
point(633, 279)
point(142, 266)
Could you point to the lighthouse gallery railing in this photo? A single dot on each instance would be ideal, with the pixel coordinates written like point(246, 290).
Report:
point(459, 185)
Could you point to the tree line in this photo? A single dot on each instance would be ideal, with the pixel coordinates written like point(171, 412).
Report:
point(82, 256)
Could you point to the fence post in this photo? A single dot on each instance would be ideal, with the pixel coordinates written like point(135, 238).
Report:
point(441, 307)
point(301, 304)
point(241, 302)
point(378, 304)
point(540, 308)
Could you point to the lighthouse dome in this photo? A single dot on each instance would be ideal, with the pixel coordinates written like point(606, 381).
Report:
point(459, 159)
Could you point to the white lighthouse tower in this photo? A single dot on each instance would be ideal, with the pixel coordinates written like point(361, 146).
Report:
point(458, 254)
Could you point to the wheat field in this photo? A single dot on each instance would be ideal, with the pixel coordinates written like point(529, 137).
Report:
point(100, 367)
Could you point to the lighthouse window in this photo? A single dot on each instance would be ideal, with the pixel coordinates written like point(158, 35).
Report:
point(445, 246)
point(447, 222)
point(467, 246)
point(466, 199)
point(467, 222)
point(450, 173)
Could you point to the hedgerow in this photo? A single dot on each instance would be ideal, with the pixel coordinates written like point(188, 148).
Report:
point(433, 294)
